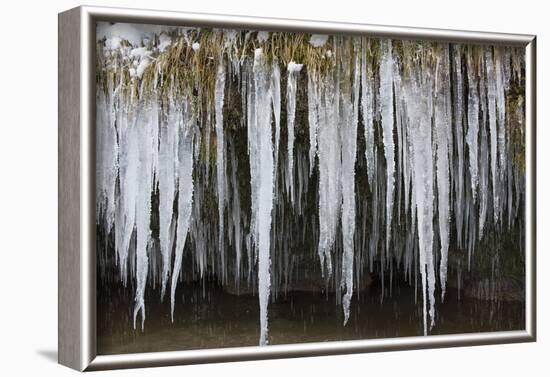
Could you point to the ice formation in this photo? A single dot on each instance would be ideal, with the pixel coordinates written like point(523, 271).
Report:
point(367, 109)
point(443, 139)
point(459, 140)
point(349, 117)
point(146, 126)
point(219, 94)
point(408, 155)
point(184, 175)
point(293, 72)
point(313, 116)
point(261, 157)
point(387, 120)
point(329, 157)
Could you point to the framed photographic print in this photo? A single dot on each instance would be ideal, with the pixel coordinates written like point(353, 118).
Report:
point(236, 188)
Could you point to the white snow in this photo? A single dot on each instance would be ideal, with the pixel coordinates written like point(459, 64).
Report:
point(140, 53)
point(133, 33)
point(262, 36)
point(113, 43)
point(143, 64)
point(318, 40)
point(141, 56)
point(164, 42)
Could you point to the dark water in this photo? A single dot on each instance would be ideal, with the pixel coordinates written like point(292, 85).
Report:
point(212, 318)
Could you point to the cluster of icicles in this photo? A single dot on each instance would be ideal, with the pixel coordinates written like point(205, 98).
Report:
point(436, 115)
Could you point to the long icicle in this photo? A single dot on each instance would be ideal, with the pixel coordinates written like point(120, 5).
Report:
point(147, 128)
point(185, 194)
point(292, 83)
point(349, 117)
point(442, 115)
point(418, 97)
point(329, 156)
point(387, 119)
point(459, 140)
point(167, 186)
point(220, 160)
point(473, 119)
point(261, 156)
point(367, 106)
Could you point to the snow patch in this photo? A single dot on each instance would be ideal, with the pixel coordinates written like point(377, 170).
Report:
point(318, 40)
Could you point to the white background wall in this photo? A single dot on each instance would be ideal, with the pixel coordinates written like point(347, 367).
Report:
point(28, 187)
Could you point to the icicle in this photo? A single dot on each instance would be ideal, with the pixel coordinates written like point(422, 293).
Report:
point(128, 176)
point(387, 119)
point(442, 115)
point(167, 186)
point(401, 169)
point(220, 160)
point(276, 101)
point(491, 109)
point(106, 162)
point(500, 100)
point(313, 116)
point(185, 193)
point(199, 231)
point(458, 106)
point(293, 72)
point(262, 174)
point(328, 151)
point(252, 151)
point(147, 144)
point(483, 181)
point(367, 106)
point(236, 213)
point(418, 100)
point(473, 120)
point(484, 153)
point(349, 112)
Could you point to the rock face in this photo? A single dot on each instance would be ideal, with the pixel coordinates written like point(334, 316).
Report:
point(306, 283)
point(501, 289)
point(489, 279)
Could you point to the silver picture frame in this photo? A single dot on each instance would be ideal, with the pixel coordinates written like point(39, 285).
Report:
point(77, 262)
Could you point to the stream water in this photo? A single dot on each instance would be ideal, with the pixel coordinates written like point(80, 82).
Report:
point(220, 319)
